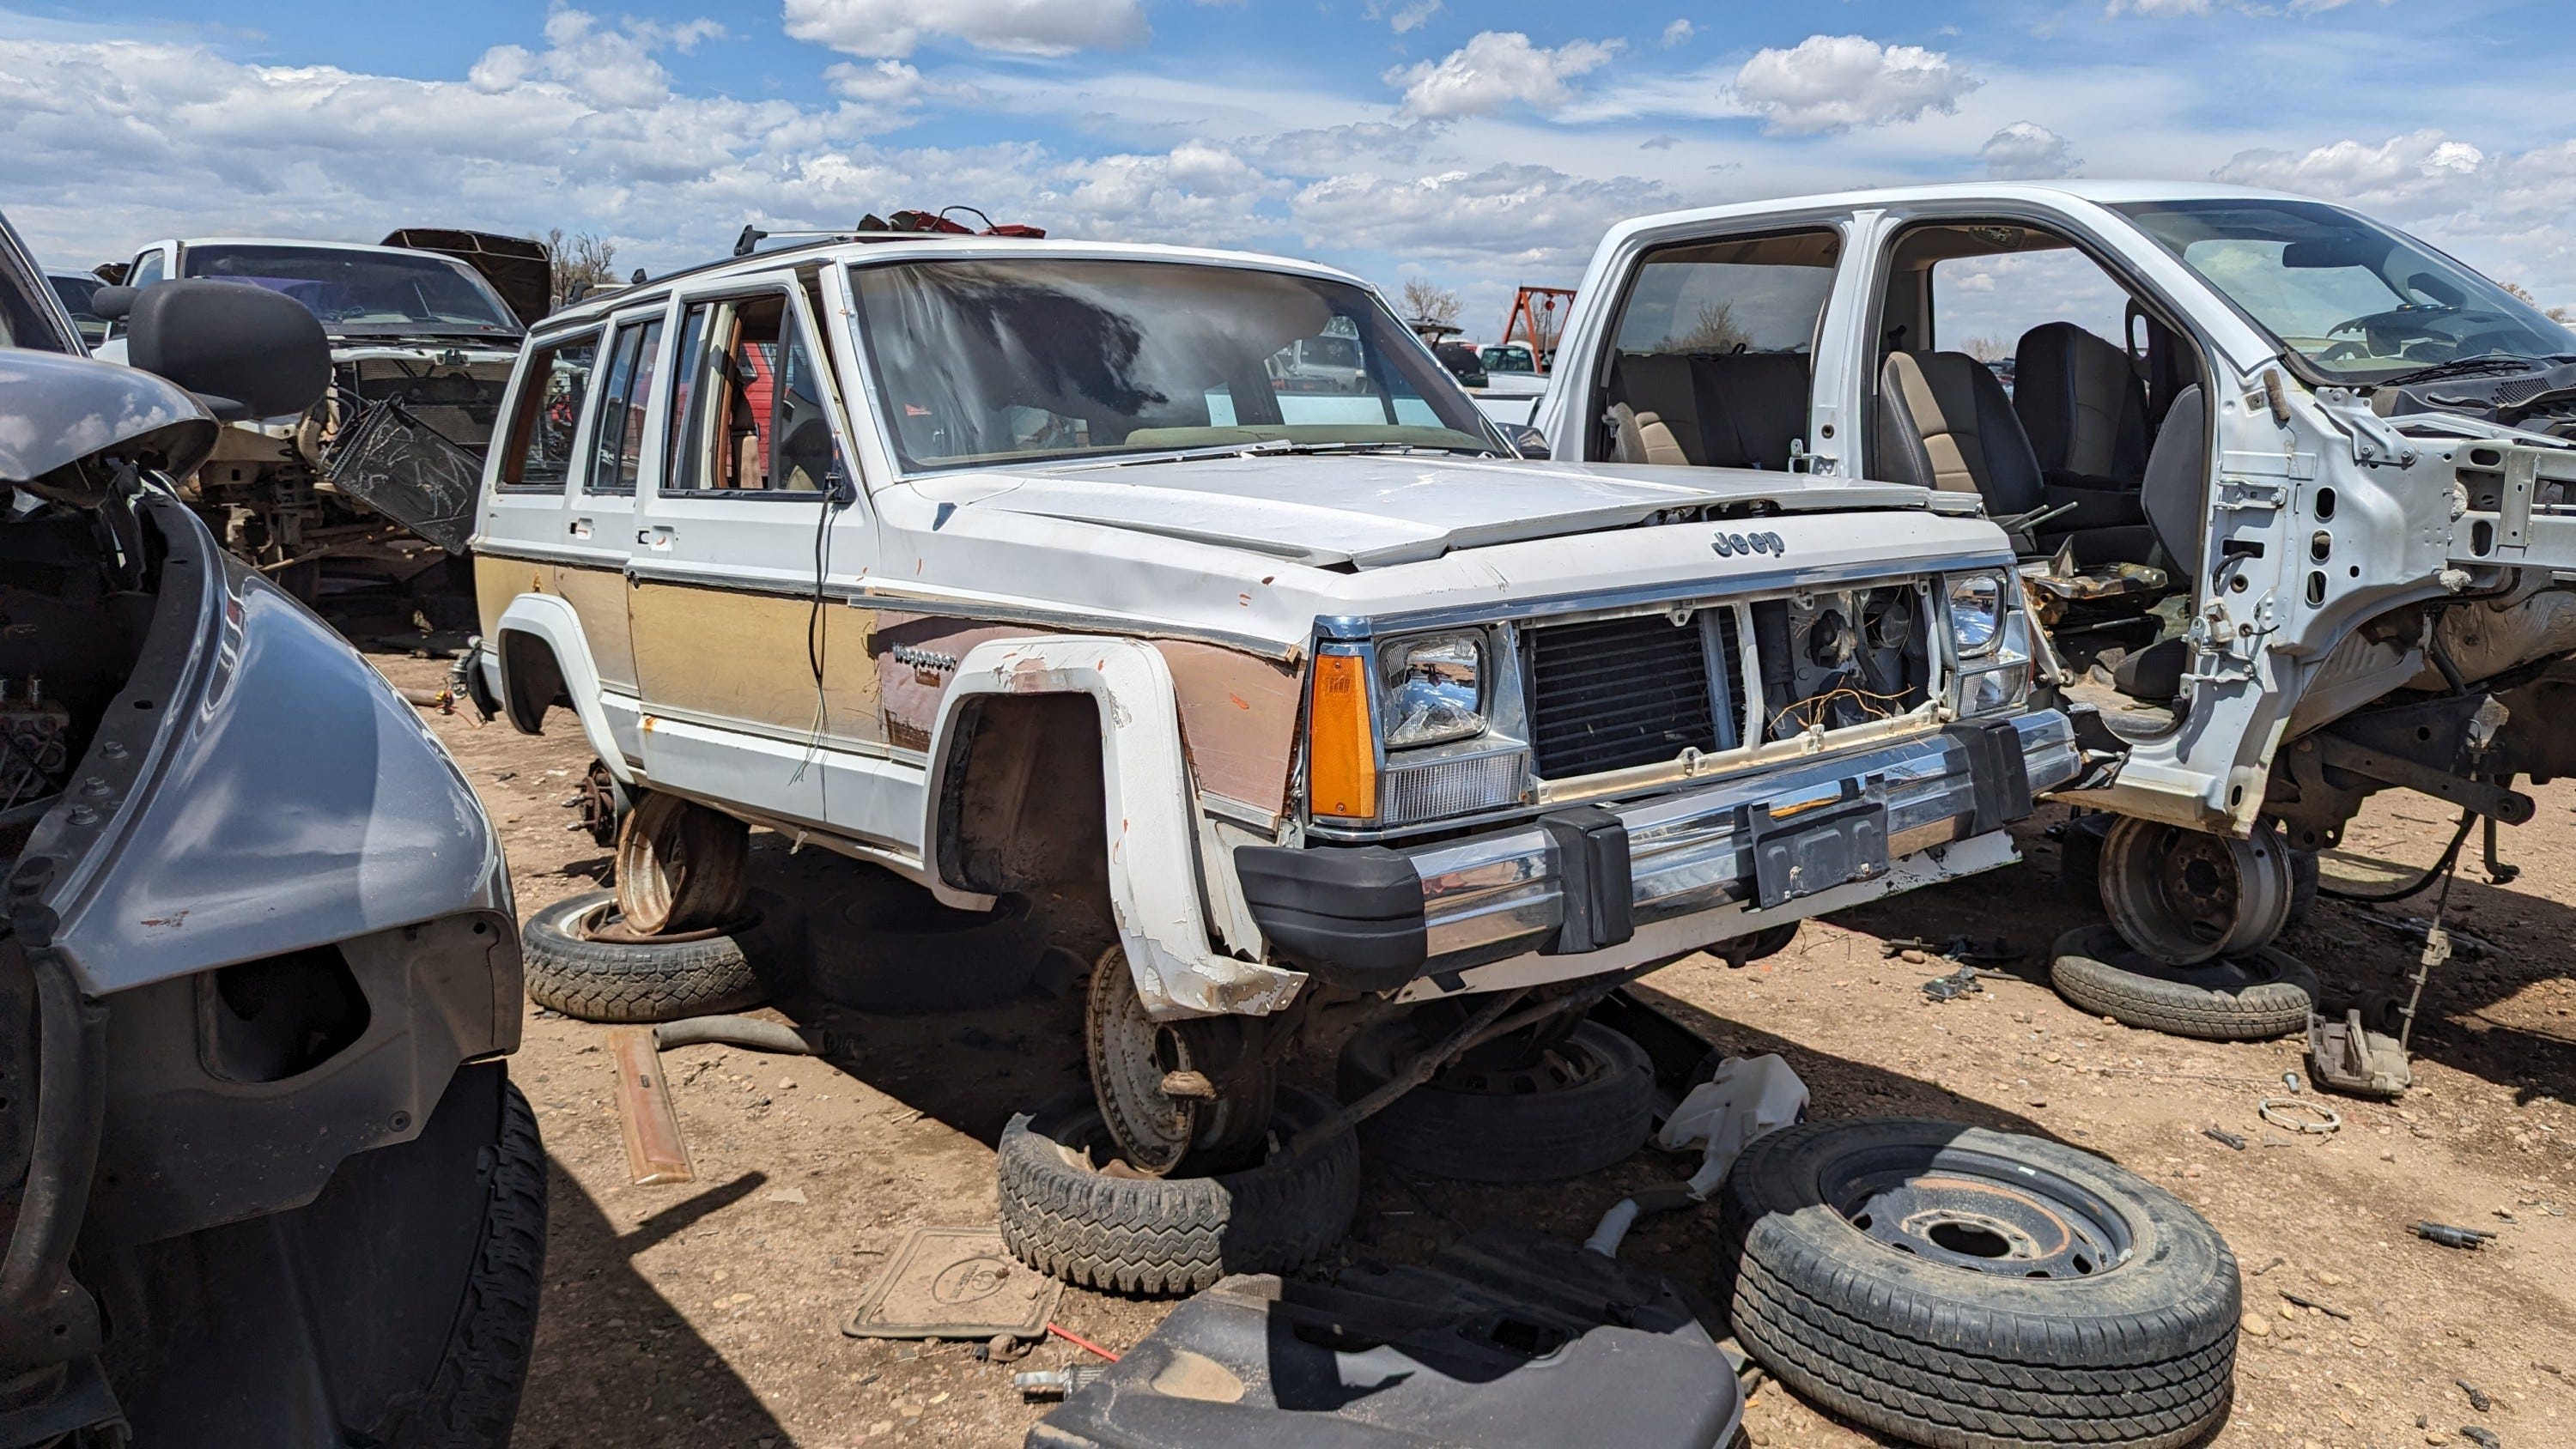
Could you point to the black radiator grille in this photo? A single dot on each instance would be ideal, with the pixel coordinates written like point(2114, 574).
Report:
point(1622, 692)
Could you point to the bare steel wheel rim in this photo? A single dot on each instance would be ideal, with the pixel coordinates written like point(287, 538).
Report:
point(2187, 896)
point(680, 867)
point(1136, 1065)
point(1978, 1212)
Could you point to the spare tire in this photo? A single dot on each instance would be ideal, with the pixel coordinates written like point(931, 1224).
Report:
point(1064, 1217)
point(2248, 997)
point(648, 979)
point(1967, 1289)
point(1585, 1103)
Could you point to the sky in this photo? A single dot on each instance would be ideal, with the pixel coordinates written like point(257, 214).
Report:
point(1478, 145)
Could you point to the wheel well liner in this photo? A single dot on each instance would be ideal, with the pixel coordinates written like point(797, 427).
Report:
point(1021, 803)
point(532, 680)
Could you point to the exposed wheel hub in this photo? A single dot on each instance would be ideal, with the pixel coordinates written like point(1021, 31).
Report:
point(1170, 1089)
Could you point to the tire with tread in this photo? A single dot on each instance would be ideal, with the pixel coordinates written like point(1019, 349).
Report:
point(474, 1397)
point(1168, 1236)
point(654, 981)
point(1469, 1136)
point(2252, 997)
point(2139, 1355)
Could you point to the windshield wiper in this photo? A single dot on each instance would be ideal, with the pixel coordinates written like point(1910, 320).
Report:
point(2465, 367)
point(1186, 455)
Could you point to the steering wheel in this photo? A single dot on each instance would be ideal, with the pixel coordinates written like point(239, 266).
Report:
point(2401, 319)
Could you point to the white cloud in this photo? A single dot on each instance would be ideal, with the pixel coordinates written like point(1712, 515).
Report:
point(608, 67)
point(1020, 27)
point(2419, 172)
point(1676, 33)
point(1832, 83)
point(1510, 216)
point(1403, 19)
point(2167, 9)
point(2026, 151)
point(1498, 68)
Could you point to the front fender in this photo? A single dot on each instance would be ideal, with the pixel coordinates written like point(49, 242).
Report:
point(1152, 809)
point(546, 621)
point(256, 789)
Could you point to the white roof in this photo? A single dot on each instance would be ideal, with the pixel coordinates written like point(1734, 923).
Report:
point(306, 244)
point(2100, 193)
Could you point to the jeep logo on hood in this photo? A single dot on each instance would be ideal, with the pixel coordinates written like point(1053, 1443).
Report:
point(1730, 544)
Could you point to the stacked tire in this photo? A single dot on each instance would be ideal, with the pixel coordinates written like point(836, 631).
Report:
point(1064, 1216)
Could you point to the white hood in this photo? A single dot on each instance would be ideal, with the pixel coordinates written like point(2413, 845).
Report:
point(1376, 510)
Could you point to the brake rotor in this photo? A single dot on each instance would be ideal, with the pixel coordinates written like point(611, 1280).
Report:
point(602, 803)
point(1168, 1089)
point(2187, 896)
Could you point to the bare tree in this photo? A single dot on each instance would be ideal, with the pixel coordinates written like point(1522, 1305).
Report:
point(1713, 330)
point(1427, 301)
point(580, 261)
point(1986, 349)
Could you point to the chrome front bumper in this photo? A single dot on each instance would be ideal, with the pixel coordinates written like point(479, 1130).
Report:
point(1497, 896)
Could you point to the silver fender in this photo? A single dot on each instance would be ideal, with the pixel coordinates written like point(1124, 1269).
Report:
point(1152, 809)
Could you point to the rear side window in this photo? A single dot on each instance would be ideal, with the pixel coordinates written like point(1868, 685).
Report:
point(1758, 294)
point(539, 451)
point(618, 459)
point(747, 411)
point(148, 268)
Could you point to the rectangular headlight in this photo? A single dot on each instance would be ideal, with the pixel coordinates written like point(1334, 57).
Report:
point(1431, 688)
point(1977, 605)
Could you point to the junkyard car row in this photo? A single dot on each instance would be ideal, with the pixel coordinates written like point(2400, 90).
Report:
point(1185, 594)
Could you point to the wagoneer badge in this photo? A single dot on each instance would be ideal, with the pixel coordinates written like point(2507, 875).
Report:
point(1730, 544)
point(928, 661)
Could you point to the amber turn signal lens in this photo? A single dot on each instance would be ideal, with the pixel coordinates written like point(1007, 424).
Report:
point(1341, 743)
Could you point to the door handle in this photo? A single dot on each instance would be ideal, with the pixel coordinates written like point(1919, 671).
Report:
point(578, 528)
point(655, 537)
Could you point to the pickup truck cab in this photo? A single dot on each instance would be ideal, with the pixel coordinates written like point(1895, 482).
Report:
point(422, 339)
point(2289, 489)
point(1032, 567)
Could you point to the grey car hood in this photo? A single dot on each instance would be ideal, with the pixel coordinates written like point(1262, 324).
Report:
point(57, 410)
point(1376, 510)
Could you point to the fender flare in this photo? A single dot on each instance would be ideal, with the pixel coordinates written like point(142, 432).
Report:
point(553, 623)
point(1152, 816)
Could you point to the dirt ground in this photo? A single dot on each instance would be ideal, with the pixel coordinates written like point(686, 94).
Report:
point(710, 1313)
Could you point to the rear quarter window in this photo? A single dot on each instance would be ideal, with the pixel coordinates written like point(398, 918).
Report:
point(538, 451)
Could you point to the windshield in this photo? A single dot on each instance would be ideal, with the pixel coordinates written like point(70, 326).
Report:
point(365, 293)
point(1510, 359)
point(2360, 303)
point(982, 362)
point(75, 293)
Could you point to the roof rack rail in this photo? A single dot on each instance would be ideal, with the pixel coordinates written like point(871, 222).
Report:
point(902, 224)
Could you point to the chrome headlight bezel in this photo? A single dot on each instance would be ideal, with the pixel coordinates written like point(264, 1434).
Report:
point(1977, 606)
point(1434, 688)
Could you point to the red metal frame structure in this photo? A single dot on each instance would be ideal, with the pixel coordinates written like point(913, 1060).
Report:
point(1527, 306)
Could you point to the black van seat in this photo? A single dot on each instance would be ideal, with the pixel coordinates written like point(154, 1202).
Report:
point(2085, 412)
point(1728, 410)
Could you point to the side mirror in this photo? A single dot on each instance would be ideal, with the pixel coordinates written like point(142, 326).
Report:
point(1527, 441)
point(245, 351)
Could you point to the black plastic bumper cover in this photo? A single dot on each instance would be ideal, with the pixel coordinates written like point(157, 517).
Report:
point(1352, 917)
